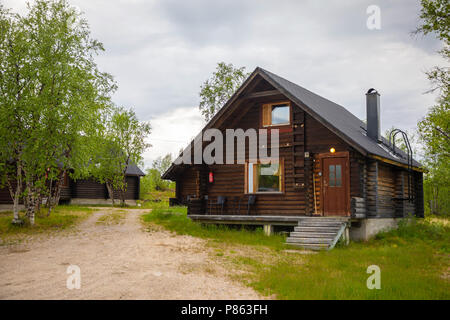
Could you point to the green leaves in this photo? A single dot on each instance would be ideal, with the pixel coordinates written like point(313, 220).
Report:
point(216, 91)
point(434, 128)
point(435, 15)
point(152, 180)
point(119, 143)
point(52, 93)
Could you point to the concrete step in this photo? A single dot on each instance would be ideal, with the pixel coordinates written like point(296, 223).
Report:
point(309, 240)
point(313, 234)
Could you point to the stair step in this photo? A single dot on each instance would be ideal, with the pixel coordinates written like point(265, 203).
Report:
point(309, 240)
point(330, 235)
point(316, 233)
point(320, 221)
point(307, 246)
point(323, 219)
point(320, 224)
point(316, 229)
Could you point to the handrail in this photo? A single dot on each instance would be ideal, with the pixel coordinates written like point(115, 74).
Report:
point(338, 236)
point(392, 136)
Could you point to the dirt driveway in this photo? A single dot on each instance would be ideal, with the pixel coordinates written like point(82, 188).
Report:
point(117, 261)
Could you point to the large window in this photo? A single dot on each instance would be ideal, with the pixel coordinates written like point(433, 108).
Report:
point(276, 114)
point(264, 177)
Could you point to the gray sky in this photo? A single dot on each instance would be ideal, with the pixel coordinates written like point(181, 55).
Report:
point(160, 52)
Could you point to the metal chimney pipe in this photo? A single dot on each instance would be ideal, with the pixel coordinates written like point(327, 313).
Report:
point(373, 114)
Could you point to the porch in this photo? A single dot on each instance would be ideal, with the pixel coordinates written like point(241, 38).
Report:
point(243, 210)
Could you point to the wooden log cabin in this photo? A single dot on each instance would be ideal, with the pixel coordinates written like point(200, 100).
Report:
point(89, 191)
point(331, 165)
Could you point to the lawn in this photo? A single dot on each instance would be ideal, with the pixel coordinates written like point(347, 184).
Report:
point(62, 217)
point(414, 260)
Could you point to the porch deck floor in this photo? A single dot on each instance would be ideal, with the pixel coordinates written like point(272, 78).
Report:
point(255, 220)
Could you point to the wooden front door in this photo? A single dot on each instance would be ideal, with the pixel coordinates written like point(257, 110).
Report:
point(335, 186)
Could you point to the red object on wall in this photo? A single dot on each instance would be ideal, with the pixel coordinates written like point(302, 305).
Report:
point(211, 177)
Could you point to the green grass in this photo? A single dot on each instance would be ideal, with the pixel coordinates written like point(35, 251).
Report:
point(414, 260)
point(61, 217)
point(176, 220)
point(155, 198)
point(158, 195)
point(410, 271)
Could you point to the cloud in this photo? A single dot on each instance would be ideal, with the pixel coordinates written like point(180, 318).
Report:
point(172, 131)
point(160, 52)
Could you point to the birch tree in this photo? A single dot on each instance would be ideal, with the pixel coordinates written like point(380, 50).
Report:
point(216, 91)
point(128, 135)
point(434, 128)
point(52, 93)
point(16, 86)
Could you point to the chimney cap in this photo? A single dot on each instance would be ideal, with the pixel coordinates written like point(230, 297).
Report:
point(372, 91)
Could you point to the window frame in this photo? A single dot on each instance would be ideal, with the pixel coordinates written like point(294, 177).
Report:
point(255, 176)
point(266, 117)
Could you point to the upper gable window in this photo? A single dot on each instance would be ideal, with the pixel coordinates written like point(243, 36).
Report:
point(276, 114)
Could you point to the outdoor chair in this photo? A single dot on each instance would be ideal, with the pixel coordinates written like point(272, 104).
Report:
point(221, 202)
point(250, 203)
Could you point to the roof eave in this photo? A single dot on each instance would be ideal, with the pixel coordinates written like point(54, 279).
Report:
point(396, 163)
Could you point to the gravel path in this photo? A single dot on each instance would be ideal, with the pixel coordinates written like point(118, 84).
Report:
point(118, 261)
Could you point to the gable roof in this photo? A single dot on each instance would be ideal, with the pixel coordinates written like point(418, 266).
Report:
point(332, 115)
point(133, 170)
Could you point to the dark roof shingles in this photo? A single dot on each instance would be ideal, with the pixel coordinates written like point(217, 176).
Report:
point(338, 117)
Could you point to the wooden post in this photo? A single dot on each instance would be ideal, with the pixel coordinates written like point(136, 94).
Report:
point(347, 236)
point(268, 229)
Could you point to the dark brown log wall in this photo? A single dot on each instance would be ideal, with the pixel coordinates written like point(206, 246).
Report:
point(304, 135)
point(132, 188)
point(5, 197)
point(371, 180)
point(187, 184)
point(230, 179)
point(89, 189)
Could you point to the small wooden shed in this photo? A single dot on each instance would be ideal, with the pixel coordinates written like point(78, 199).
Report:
point(89, 191)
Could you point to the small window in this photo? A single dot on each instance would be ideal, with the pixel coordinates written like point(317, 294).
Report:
point(264, 177)
point(335, 175)
point(332, 176)
point(276, 114)
point(338, 176)
point(280, 114)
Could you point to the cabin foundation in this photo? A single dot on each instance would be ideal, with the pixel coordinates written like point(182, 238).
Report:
point(365, 229)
